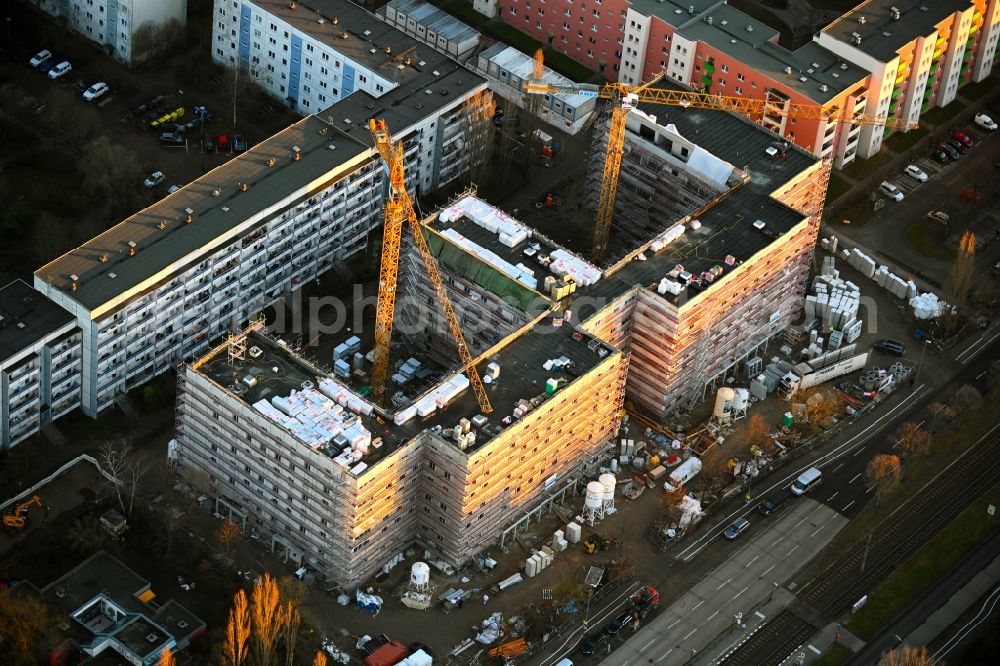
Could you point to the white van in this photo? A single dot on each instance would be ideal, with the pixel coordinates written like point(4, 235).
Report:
point(807, 480)
point(565, 662)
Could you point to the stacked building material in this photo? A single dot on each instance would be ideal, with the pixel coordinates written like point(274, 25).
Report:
point(315, 419)
point(566, 263)
point(520, 272)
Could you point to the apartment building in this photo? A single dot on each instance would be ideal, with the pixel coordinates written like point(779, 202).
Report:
point(163, 284)
point(126, 29)
point(919, 54)
point(337, 60)
point(39, 362)
point(432, 26)
point(507, 70)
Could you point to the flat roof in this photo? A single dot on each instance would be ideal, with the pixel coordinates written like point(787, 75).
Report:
point(753, 42)
point(435, 19)
point(99, 573)
point(99, 281)
point(882, 36)
point(522, 66)
point(365, 33)
point(26, 316)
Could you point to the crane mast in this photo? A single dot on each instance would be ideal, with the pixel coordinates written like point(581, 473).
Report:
point(398, 208)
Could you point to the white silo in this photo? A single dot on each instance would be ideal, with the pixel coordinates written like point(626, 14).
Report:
point(420, 576)
point(593, 503)
point(609, 482)
point(723, 404)
point(741, 401)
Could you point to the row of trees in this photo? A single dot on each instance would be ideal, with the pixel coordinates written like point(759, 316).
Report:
point(264, 627)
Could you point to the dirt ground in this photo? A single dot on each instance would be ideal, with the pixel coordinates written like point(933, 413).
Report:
point(44, 156)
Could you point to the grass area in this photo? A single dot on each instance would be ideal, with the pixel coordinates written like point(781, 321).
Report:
point(921, 572)
point(927, 238)
point(857, 213)
point(942, 114)
point(860, 168)
point(837, 654)
point(900, 142)
point(976, 90)
point(766, 17)
point(838, 185)
point(946, 445)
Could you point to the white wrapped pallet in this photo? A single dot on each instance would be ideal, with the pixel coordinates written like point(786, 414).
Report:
point(573, 532)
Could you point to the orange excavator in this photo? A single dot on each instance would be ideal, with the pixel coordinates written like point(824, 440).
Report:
point(17, 519)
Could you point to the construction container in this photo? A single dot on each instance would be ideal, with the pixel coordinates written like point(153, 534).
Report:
point(787, 420)
point(551, 386)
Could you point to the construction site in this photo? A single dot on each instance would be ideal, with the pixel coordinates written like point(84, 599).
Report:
point(398, 441)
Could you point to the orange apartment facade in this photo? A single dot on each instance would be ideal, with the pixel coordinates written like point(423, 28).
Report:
point(910, 57)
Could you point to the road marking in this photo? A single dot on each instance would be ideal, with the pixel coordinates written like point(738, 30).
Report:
point(691, 634)
point(751, 561)
point(856, 477)
point(647, 645)
point(760, 615)
point(745, 589)
point(872, 429)
point(836, 468)
point(698, 604)
point(673, 623)
point(849, 505)
point(860, 450)
point(817, 531)
point(870, 489)
point(814, 649)
point(768, 571)
point(777, 540)
point(830, 498)
point(793, 549)
point(712, 616)
point(664, 655)
point(722, 585)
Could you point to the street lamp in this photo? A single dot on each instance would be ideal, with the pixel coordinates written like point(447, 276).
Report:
point(774, 586)
point(920, 364)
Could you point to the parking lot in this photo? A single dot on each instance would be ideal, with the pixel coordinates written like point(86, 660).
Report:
point(48, 130)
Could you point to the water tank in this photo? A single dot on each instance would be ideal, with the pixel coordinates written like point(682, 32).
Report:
point(608, 481)
point(741, 400)
point(595, 495)
point(723, 401)
point(420, 573)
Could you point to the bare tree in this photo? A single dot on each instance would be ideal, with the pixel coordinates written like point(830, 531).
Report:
point(110, 173)
point(757, 432)
point(319, 659)
point(912, 440)
point(966, 399)
point(884, 473)
point(240, 79)
point(908, 656)
point(126, 471)
point(817, 406)
point(237, 631)
point(150, 39)
point(290, 621)
point(265, 620)
point(86, 535)
point(478, 131)
point(227, 536)
point(166, 658)
point(962, 271)
point(25, 625)
point(713, 466)
point(172, 522)
point(940, 415)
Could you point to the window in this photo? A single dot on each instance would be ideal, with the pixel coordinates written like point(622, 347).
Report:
point(725, 69)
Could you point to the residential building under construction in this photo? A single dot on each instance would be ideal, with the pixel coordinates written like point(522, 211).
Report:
point(694, 289)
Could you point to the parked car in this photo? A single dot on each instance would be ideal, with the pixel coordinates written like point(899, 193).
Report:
point(173, 188)
point(739, 527)
point(892, 347)
point(962, 137)
point(62, 69)
point(958, 146)
point(172, 139)
point(950, 150)
point(891, 190)
point(916, 172)
point(154, 179)
point(939, 216)
point(982, 120)
point(774, 501)
point(625, 619)
point(940, 156)
point(95, 91)
point(239, 143)
point(40, 58)
point(222, 143)
point(594, 642)
point(208, 143)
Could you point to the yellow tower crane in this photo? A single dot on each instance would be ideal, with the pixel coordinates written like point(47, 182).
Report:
point(398, 208)
point(624, 97)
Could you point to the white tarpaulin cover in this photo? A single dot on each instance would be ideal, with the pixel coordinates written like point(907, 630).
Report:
point(707, 165)
point(928, 306)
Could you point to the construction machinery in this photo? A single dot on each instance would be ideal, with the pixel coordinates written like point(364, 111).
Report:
point(645, 601)
point(18, 518)
point(596, 542)
point(398, 208)
point(624, 97)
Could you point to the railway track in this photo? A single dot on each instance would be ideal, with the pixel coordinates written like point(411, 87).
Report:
point(892, 541)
